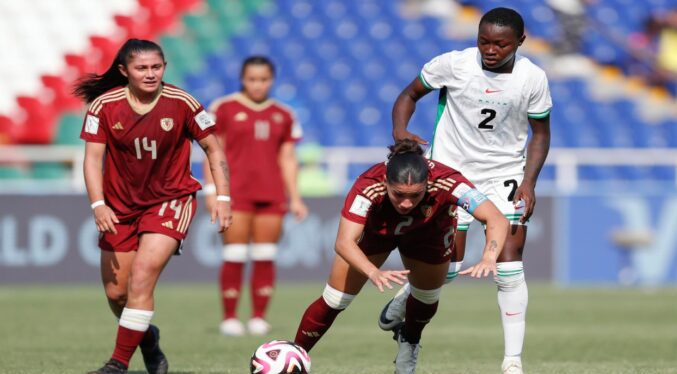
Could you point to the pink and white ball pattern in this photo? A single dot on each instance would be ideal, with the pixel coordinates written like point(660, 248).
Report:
point(280, 357)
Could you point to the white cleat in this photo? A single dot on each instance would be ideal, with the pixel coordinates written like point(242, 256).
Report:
point(407, 355)
point(512, 366)
point(258, 326)
point(231, 327)
point(393, 313)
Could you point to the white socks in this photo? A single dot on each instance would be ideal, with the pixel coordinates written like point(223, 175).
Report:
point(136, 319)
point(513, 298)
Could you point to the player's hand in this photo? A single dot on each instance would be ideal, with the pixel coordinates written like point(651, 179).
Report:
point(525, 195)
point(382, 278)
point(221, 211)
point(105, 219)
point(404, 134)
point(485, 267)
point(298, 209)
point(210, 202)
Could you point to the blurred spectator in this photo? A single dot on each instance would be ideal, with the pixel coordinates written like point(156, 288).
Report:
point(572, 19)
point(656, 50)
point(314, 180)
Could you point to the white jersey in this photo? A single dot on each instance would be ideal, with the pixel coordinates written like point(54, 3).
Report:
point(482, 117)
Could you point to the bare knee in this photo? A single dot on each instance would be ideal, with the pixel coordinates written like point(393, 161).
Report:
point(116, 295)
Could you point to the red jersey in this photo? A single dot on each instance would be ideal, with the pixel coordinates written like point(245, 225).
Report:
point(367, 202)
point(147, 155)
point(254, 133)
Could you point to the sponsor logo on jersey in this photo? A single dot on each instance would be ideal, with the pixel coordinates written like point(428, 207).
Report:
point(168, 225)
point(360, 206)
point(118, 126)
point(167, 124)
point(277, 117)
point(204, 120)
point(490, 91)
point(240, 116)
point(427, 211)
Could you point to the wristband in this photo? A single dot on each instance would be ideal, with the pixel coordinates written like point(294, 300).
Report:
point(223, 198)
point(97, 203)
point(209, 189)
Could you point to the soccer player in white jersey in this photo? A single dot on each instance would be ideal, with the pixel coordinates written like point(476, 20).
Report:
point(489, 97)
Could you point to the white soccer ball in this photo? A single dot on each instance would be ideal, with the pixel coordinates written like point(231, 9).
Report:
point(280, 357)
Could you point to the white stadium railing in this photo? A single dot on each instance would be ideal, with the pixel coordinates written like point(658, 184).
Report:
point(565, 161)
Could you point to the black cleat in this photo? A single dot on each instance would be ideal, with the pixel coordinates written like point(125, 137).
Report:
point(113, 366)
point(153, 358)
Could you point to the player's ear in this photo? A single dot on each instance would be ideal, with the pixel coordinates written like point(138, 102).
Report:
point(123, 70)
point(521, 40)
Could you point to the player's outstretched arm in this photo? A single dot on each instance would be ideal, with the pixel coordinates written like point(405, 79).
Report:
point(537, 152)
point(219, 172)
point(496, 233)
point(349, 234)
point(404, 108)
point(93, 169)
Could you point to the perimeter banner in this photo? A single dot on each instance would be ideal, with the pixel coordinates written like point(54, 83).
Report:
point(52, 239)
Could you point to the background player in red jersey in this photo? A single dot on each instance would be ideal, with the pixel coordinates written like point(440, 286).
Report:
point(409, 203)
point(137, 171)
point(260, 135)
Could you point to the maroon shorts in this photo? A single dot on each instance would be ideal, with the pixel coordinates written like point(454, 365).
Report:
point(429, 246)
point(259, 207)
point(171, 218)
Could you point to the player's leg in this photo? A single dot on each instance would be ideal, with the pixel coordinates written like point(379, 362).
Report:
point(343, 285)
point(267, 228)
point(154, 252)
point(513, 297)
point(115, 268)
point(393, 313)
point(235, 248)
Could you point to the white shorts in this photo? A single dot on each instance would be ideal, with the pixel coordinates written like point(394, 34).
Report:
point(500, 192)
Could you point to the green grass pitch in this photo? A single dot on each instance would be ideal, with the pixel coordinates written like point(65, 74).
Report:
point(68, 329)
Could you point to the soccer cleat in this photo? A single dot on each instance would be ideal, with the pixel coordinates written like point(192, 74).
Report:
point(407, 355)
point(153, 358)
point(231, 327)
point(393, 313)
point(258, 326)
point(113, 366)
point(512, 366)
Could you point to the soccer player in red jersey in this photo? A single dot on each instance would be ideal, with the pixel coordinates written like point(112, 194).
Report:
point(259, 135)
point(138, 132)
point(408, 203)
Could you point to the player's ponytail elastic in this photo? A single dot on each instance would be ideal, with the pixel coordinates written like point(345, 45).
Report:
point(406, 163)
point(93, 85)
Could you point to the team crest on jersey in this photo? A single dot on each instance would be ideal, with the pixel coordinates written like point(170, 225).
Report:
point(277, 117)
point(167, 124)
point(240, 116)
point(427, 211)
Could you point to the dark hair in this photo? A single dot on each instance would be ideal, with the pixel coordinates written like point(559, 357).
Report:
point(505, 17)
point(406, 163)
point(257, 60)
point(93, 85)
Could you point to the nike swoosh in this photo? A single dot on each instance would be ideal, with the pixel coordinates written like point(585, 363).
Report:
point(491, 91)
point(512, 314)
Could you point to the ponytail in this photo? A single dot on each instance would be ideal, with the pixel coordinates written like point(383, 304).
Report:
point(93, 85)
point(406, 163)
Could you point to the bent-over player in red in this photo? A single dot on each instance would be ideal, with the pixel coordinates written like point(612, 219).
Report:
point(407, 203)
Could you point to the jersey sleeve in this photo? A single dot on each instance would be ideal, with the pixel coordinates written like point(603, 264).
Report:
point(459, 191)
point(540, 101)
point(93, 128)
point(200, 123)
point(360, 200)
point(437, 72)
point(295, 132)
